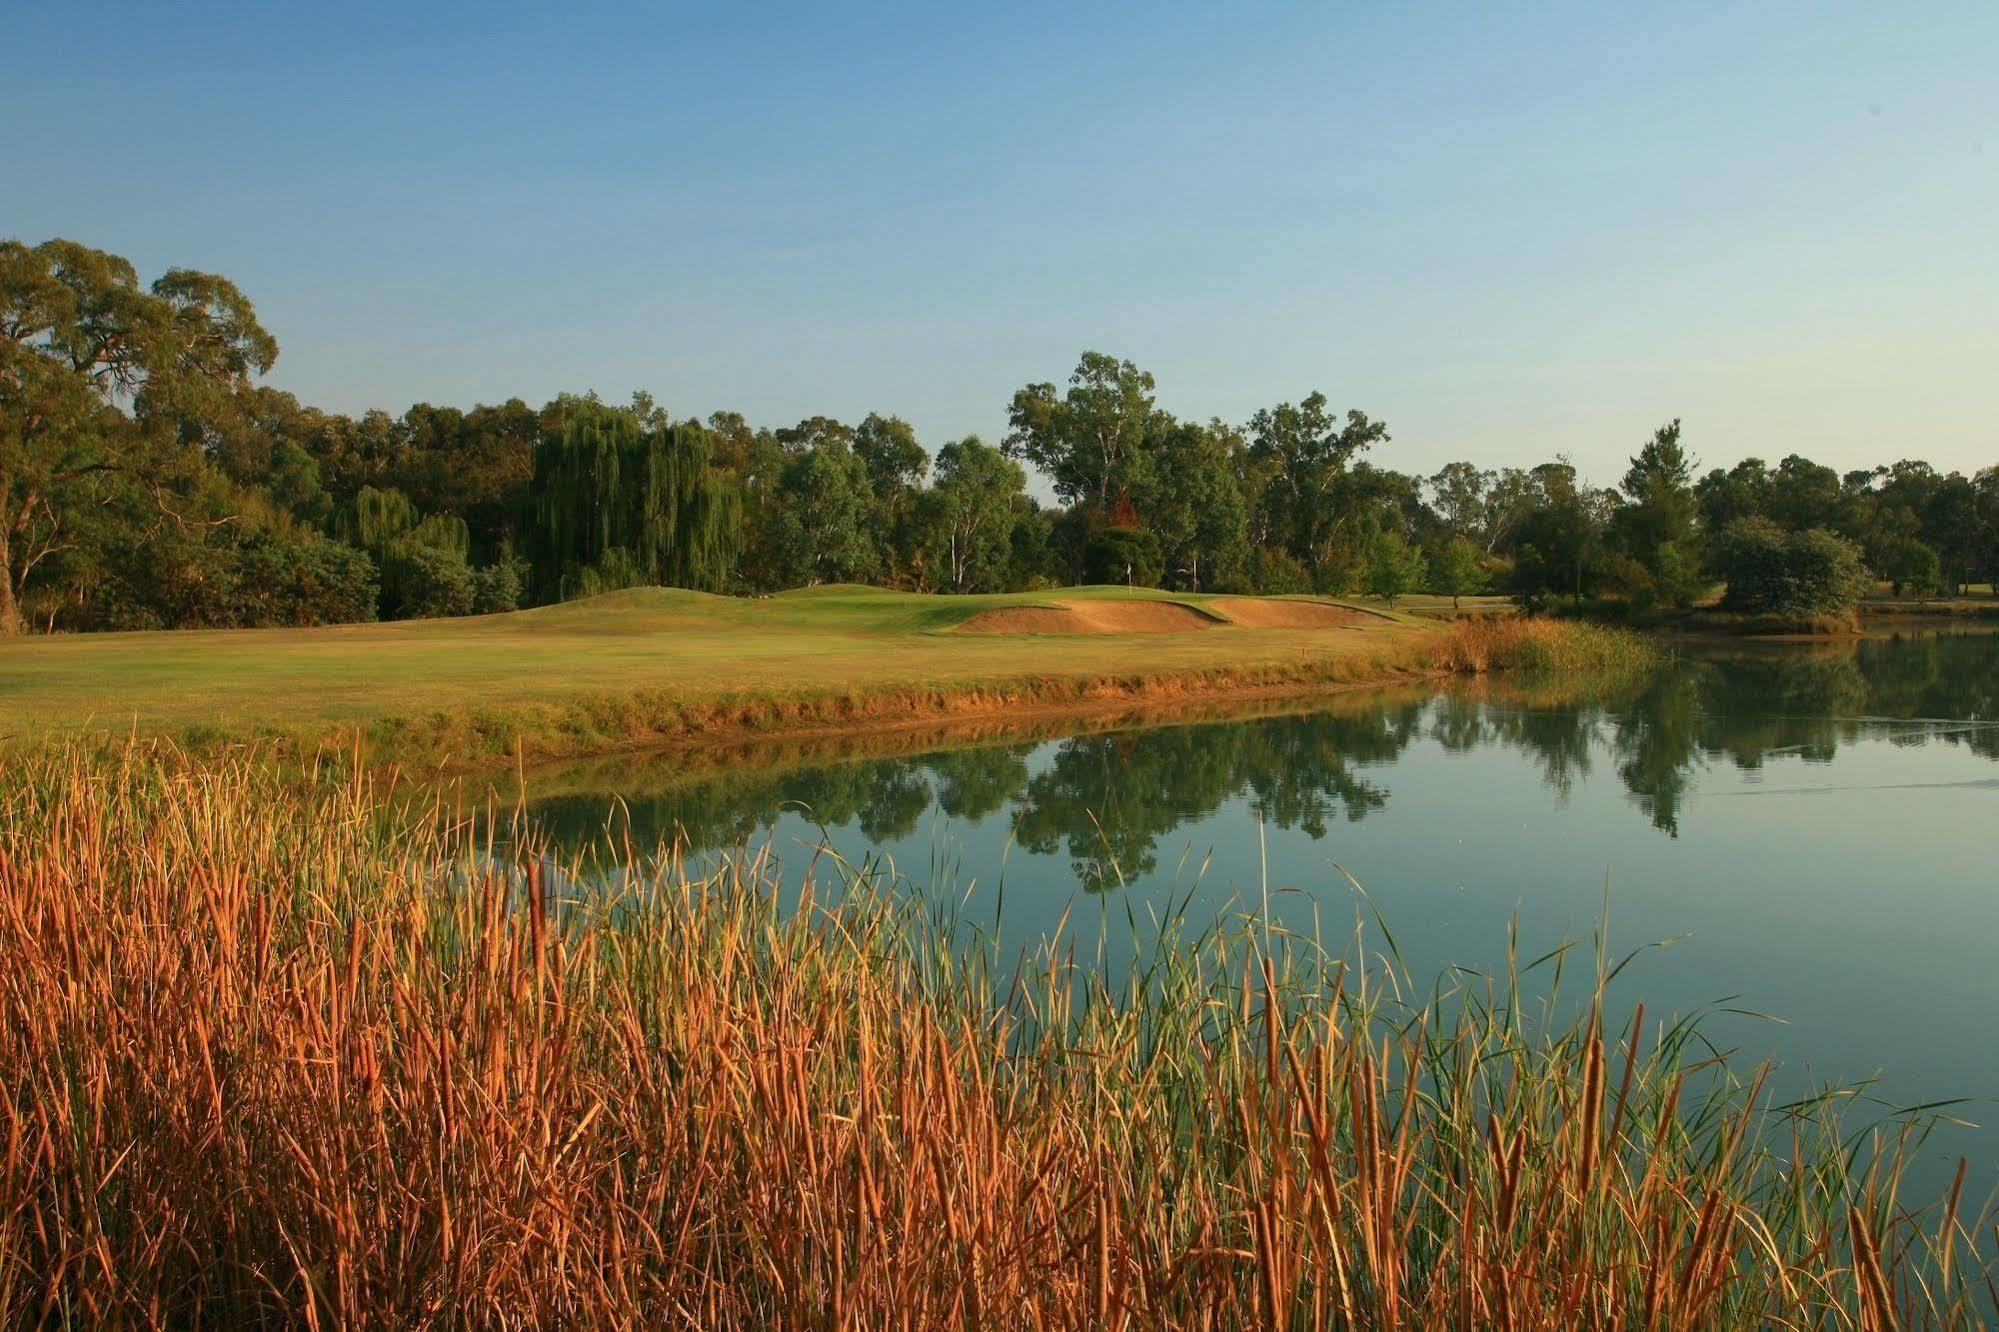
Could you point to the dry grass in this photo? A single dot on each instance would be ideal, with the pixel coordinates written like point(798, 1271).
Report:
point(1541, 645)
point(274, 1052)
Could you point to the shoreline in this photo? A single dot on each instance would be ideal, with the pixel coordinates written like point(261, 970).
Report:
point(1010, 687)
point(623, 726)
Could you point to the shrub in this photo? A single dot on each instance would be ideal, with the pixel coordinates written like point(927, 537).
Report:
point(301, 579)
point(1275, 572)
point(1769, 570)
point(497, 587)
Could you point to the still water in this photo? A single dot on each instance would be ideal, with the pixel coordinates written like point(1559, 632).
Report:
point(1816, 827)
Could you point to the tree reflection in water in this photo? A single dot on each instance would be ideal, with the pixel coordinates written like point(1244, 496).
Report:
point(1107, 800)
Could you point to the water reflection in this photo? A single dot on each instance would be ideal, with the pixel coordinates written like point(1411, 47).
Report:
point(1108, 800)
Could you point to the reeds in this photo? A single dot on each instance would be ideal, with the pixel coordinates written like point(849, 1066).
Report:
point(1532, 644)
point(283, 1052)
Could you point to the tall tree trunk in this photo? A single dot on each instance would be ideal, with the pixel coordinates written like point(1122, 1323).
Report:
point(10, 611)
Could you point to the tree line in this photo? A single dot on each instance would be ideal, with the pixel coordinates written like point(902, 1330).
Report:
point(149, 480)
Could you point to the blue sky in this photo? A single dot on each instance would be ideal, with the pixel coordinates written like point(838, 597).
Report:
point(1511, 234)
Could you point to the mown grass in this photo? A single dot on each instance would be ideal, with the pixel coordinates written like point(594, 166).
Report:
point(286, 1052)
point(786, 654)
point(662, 666)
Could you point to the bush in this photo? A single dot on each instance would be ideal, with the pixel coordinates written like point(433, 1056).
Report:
point(1771, 571)
point(1275, 573)
point(301, 579)
point(497, 587)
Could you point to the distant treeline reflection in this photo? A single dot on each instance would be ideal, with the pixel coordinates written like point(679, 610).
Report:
point(1107, 800)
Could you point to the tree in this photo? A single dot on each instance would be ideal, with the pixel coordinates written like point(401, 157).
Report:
point(1457, 571)
point(1952, 528)
point(1394, 567)
point(1910, 567)
point(1656, 526)
point(1312, 501)
point(1193, 507)
point(1122, 555)
point(1091, 441)
point(1461, 494)
point(1773, 571)
point(824, 531)
point(888, 449)
point(1559, 535)
point(974, 502)
point(815, 432)
point(100, 376)
point(643, 504)
point(475, 464)
point(895, 463)
point(1742, 491)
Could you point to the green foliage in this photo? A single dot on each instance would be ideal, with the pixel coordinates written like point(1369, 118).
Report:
point(974, 513)
point(1091, 441)
point(825, 530)
point(1912, 567)
point(421, 581)
point(1122, 555)
point(1657, 524)
point(1559, 536)
point(498, 586)
point(225, 579)
point(1314, 499)
point(1276, 573)
point(301, 579)
point(615, 498)
point(1193, 506)
point(1394, 567)
point(1769, 570)
point(1458, 571)
point(105, 383)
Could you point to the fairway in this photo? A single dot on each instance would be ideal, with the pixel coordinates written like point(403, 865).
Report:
point(687, 646)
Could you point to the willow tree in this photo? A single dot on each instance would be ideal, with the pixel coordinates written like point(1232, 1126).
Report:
point(617, 504)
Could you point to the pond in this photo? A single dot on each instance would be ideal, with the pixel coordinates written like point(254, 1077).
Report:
point(1815, 826)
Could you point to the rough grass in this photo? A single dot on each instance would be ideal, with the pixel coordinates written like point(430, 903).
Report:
point(282, 1053)
point(1546, 646)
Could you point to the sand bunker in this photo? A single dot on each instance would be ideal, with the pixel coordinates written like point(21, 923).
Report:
point(1090, 617)
point(1268, 613)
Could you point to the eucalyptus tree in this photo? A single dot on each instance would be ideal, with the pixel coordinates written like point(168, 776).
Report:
point(824, 530)
point(1311, 502)
point(1193, 506)
point(1090, 441)
point(895, 463)
point(1462, 493)
point(973, 508)
point(101, 377)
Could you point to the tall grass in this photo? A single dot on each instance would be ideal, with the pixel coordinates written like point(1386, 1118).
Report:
point(290, 1054)
point(1519, 643)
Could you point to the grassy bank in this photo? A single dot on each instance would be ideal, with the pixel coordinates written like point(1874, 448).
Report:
point(282, 1052)
point(661, 666)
